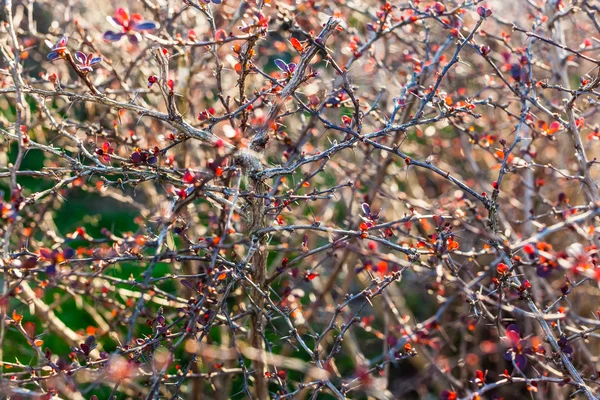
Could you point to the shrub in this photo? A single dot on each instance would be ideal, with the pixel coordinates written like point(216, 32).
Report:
point(277, 199)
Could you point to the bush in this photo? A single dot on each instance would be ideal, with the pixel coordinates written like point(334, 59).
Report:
point(312, 199)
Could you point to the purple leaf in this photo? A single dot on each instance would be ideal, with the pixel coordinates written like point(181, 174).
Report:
point(114, 22)
point(146, 26)
point(112, 36)
point(95, 60)
point(80, 57)
point(543, 270)
point(282, 65)
point(563, 342)
point(520, 361)
point(68, 253)
point(62, 363)
point(188, 284)
point(513, 328)
point(134, 37)
point(62, 42)
point(515, 71)
point(366, 209)
point(90, 340)
point(292, 67)
point(53, 56)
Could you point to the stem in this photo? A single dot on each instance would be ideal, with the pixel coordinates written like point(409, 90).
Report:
point(259, 263)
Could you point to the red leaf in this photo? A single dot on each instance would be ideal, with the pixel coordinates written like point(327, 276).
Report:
point(502, 268)
point(311, 276)
point(553, 128)
point(46, 254)
point(188, 177)
point(16, 316)
point(513, 334)
point(296, 44)
point(220, 34)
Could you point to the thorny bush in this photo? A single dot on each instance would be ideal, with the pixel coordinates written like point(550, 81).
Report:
point(299, 199)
